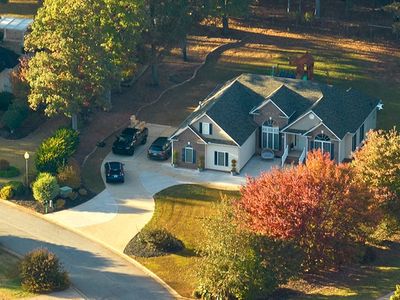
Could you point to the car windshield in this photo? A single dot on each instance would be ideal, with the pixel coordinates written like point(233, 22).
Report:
point(156, 148)
point(123, 138)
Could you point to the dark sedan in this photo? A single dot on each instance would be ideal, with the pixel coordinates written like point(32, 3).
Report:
point(114, 171)
point(160, 149)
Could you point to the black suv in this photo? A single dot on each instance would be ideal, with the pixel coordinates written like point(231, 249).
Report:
point(114, 172)
point(129, 138)
point(160, 149)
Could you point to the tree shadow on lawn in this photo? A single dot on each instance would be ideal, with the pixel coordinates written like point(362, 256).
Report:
point(355, 282)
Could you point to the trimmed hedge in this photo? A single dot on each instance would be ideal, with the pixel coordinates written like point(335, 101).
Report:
point(6, 192)
point(153, 242)
point(10, 172)
point(45, 188)
point(41, 271)
point(54, 152)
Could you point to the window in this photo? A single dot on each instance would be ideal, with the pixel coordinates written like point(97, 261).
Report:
point(205, 128)
point(188, 155)
point(354, 142)
point(221, 159)
point(270, 137)
point(323, 142)
point(361, 137)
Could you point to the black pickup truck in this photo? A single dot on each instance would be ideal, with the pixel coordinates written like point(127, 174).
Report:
point(129, 138)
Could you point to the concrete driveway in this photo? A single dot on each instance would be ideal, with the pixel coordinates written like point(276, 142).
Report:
point(114, 216)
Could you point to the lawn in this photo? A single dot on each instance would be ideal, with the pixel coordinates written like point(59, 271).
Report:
point(181, 210)
point(20, 8)
point(10, 286)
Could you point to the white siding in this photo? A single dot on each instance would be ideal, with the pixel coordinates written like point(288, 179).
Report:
point(346, 143)
point(305, 123)
point(217, 133)
point(246, 151)
point(233, 154)
point(370, 122)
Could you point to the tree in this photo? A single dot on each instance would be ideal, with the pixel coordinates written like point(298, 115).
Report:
point(377, 165)
point(238, 264)
point(318, 206)
point(394, 8)
point(45, 188)
point(396, 294)
point(225, 9)
point(80, 47)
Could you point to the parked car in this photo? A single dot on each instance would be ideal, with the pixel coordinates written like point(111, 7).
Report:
point(160, 149)
point(114, 172)
point(129, 138)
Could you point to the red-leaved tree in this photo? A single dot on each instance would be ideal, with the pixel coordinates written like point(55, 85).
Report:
point(319, 206)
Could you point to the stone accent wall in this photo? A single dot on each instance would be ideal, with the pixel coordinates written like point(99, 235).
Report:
point(197, 144)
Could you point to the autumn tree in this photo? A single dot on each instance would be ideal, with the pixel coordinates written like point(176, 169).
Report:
point(236, 263)
point(80, 48)
point(318, 206)
point(377, 165)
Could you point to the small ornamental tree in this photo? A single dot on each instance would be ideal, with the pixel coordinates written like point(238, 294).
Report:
point(41, 271)
point(45, 188)
point(236, 263)
point(377, 164)
point(318, 206)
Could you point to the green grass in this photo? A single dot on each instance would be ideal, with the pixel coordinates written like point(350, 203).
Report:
point(10, 286)
point(181, 210)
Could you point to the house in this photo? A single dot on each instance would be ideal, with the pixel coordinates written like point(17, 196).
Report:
point(14, 29)
point(290, 116)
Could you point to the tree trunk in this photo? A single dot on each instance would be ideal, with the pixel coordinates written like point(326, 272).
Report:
point(225, 24)
point(155, 80)
point(74, 121)
point(184, 49)
point(288, 6)
point(317, 9)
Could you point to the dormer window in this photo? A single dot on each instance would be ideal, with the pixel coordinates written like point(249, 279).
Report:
point(205, 128)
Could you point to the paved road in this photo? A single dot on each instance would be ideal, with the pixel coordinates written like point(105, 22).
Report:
point(94, 270)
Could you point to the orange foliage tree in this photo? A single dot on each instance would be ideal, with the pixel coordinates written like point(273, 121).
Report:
point(319, 206)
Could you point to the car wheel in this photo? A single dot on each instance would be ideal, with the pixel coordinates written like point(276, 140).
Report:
point(132, 152)
point(144, 141)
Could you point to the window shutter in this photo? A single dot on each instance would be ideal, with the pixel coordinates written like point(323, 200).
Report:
point(210, 128)
point(311, 145)
point(215, 158)
point(183, 155)
point(332, 151)
point(226, 159)
point(194, 156)
point(201, 127)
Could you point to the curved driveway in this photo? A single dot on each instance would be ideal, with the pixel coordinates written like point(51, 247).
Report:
point(114, 216)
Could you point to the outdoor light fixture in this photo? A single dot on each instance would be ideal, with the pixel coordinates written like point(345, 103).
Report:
point(26, 156)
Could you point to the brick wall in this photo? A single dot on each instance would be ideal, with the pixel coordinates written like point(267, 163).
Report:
point(195, 142)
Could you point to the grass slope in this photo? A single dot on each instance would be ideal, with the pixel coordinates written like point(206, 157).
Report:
point(181, 210)
point(10, 286)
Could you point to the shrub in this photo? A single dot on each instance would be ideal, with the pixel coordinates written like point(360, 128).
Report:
point(6, 192)
point(5, 100)
point(41, 271)
point(69, 175)
point(45, 188)
point(4, 164)
point(60, 204)
point(18, 187)
point(153, 242)
point(10, 172)
point(55, 151)
point(396, 295)
point(13, 119)
point(308, 17)
point(72, 196)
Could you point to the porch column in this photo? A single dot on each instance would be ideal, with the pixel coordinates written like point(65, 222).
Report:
point(284, 140)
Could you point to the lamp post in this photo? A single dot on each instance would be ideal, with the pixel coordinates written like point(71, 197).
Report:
point(26, 156)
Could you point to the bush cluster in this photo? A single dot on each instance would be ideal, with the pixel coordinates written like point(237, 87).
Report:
point(10, 172)
point(4, 164)
point(11, 189)
point(41, 271)
point(54, 152)
point(153, 242)
point(6, 192)
point(15, 116)
point(45, 188)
